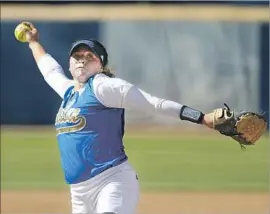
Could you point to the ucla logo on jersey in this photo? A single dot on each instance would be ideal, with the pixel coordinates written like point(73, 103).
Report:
point(69, 120)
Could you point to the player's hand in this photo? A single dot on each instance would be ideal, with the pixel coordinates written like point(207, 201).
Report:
point(216, 116)
point(208, 120)
point(33, 34)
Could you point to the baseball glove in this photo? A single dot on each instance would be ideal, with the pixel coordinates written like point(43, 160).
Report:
point(245, 127)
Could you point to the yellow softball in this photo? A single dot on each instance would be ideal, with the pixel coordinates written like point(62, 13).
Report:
point(20, 32)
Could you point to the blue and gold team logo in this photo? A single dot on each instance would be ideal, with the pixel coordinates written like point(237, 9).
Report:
point(69, 120)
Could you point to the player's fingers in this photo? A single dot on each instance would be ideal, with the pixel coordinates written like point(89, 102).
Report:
point(29, 35)
point(29, 24)
point(26, 23)
point(32, 35)
point(32, 26)
point(34, 30)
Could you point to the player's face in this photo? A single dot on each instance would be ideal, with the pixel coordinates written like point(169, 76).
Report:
point(84, 64)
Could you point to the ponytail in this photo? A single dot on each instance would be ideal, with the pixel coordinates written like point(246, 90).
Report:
point(107, 72)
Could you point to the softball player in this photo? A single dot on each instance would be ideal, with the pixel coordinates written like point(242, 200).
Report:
point(90, 126)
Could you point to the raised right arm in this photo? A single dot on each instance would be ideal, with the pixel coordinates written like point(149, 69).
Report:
point(50, 69)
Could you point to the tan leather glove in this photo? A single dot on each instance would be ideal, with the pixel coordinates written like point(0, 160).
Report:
point(245, 127)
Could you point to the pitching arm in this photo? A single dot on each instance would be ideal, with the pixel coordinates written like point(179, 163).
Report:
point(117, 93)
point(50, 69)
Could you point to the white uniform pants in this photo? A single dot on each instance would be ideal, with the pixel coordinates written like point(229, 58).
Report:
point(115, 190)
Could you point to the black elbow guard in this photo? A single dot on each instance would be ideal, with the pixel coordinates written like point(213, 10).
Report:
point(190, 114)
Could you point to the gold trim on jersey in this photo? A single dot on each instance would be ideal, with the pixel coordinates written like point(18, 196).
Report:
point(74, 128)
point(69, 116)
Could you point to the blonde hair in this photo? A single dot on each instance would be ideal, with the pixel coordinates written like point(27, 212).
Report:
point(107, 71)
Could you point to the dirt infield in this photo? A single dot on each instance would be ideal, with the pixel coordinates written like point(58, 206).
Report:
point(150, 203)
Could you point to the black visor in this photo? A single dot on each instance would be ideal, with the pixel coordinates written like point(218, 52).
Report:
point(96, 47)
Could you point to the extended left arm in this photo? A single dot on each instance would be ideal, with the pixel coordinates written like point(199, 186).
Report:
point(244, 127)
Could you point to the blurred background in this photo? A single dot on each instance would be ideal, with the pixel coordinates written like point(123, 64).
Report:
point(198, 53)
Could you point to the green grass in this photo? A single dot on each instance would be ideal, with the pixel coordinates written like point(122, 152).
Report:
point(207, 163)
